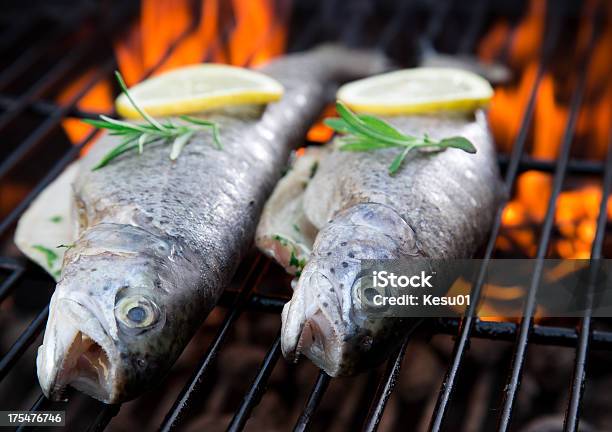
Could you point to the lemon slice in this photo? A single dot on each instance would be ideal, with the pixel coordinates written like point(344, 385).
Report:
point(416, 91)
point(198, 88)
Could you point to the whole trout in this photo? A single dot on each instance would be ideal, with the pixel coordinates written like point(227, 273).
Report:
point(158, 240)
point(438, 205)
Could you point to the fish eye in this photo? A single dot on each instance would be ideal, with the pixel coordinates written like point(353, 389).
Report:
point(137, 312)
point(364, 294)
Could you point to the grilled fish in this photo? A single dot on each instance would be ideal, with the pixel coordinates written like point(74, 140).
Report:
point(157, 241)
point(439, 205)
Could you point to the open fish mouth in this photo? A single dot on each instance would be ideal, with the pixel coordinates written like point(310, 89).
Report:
point(79, 355)
point(319, 331)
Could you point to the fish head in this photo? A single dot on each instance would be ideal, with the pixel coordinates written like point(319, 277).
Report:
point(108, 333)
point(325, 319)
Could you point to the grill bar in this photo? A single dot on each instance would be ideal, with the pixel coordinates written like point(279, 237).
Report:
point(541, 334)
point(59, 70)
point(503, 331)
point(103, 418)
point(258, 387)
point(518, 147)
point(314, 399)
point(55, 171)
point(518, 361)
point(11, 280)
point(19, 27)
point(572, 417)
point(52, 121)
point(35, 52)
point(71, 154)
point(23, 342)
point(183, 403)
point(574, 166)
point(35, 407)
point(385, 388)
point(26, 339)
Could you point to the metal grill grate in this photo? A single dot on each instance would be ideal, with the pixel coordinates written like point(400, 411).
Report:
point(584, 339)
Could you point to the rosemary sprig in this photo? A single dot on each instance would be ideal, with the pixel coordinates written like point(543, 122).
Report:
point(136, 135)
point(366, 133)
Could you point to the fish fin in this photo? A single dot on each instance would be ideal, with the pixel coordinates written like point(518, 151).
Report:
point(284, 232)
point(49, 223)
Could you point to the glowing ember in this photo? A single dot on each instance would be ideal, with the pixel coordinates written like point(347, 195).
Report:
point(319, 132)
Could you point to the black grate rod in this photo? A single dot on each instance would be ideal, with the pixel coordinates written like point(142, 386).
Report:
point(314, 399)
point(35, 407)
point(20, 26)
point(257, 389)
point(574, 166)
point(385, 388)
point(477, 19)
point(540, 334)
point(52, 121)
point(467, 324)
point(23, 342)
point(572, 413)
point(177, 414)
point(71, 154)
point(520, 350)
point(9, 283)
point(47, 108)
point(51, 175)
point(104, 417)
point(58, 71)
point(37, 51)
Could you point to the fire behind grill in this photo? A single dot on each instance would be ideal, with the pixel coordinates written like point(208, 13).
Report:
point(47, 48)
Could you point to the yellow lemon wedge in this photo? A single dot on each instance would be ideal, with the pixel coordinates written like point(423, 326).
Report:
point(417, 91)
point(197, 88)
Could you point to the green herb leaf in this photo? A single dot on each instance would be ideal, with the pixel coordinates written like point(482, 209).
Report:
point(337, 124)
point(143, 114)
point(212, 125)
point(397, 162)
point(361, 145)
point(178, 144)
point(460, 143)
point(367, 133)
point(125, 146)
point(382, 126)
point(50, 255)
point(56, 219)
point(137, 136)
point(299, 264)
point(358, 127)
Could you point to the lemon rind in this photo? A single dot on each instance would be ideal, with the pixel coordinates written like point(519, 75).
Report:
point(419, 108)
point(195, 104)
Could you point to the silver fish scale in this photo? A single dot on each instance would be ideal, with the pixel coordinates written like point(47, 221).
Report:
point(164, 237)
point(211, 198)
point(438, 205)
point(439, 195)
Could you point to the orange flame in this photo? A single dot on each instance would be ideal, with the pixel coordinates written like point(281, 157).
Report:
point(98, 99)
point(257, 34)
point(319, 132)
point(576, 209)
